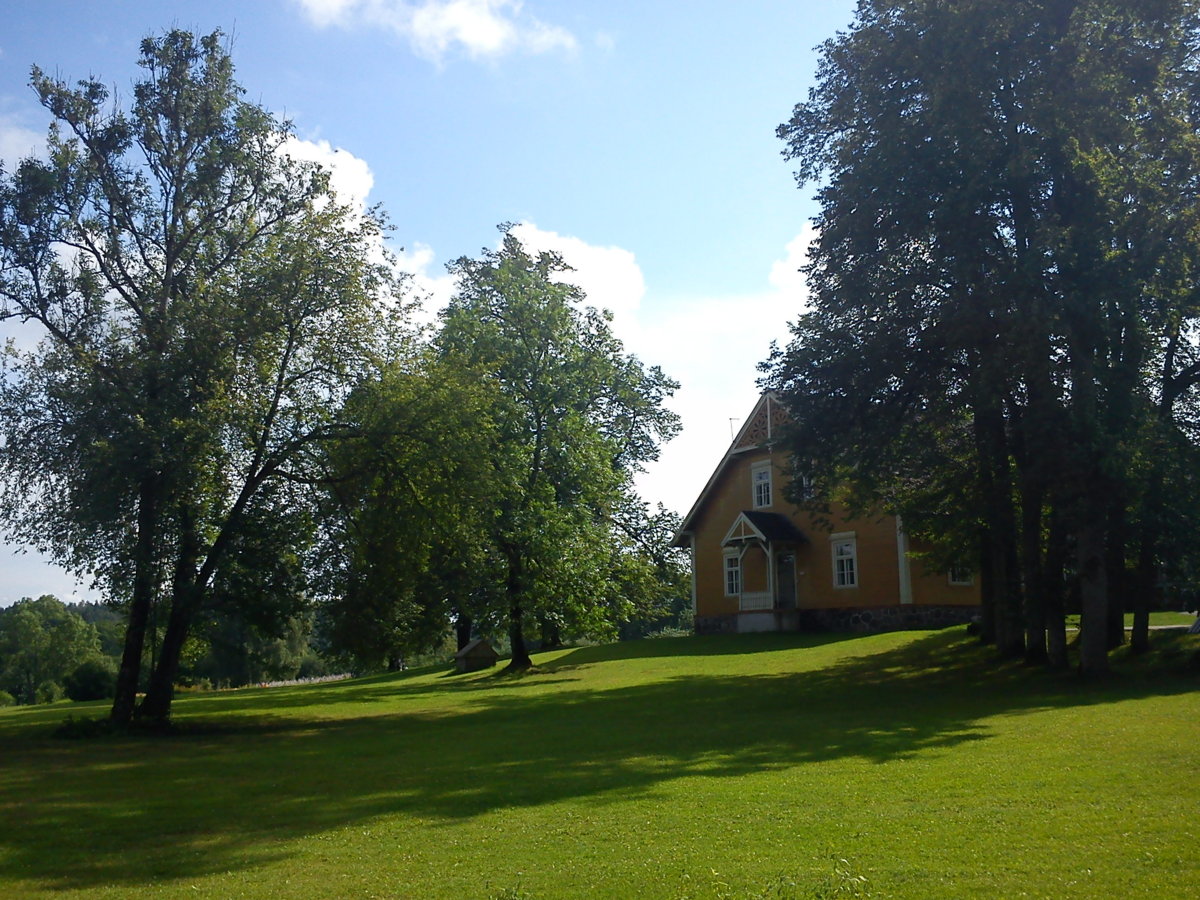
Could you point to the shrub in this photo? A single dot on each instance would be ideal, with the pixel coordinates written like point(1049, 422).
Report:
point(7, 699)
point(93, 679)
point(48, 692)
point(312, 666)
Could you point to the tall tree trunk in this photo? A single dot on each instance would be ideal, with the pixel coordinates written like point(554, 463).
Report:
point(1145, 588)
point(987, 591)
point(1145, 582)
point(1032, 572)
point(516, 625)
point(1010, 630)
point(185, 601)
point(1053, 592)
point(139, 605)
point(1116, 572)
point(462, 630)
point(516, 636)
point(1087, 490)
point(1000, 527)
point(156, 706)
point(1093, 593)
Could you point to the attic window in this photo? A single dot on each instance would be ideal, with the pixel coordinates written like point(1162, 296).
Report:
point(760, 476)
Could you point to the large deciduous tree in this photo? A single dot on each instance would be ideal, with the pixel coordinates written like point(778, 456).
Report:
point(1003, 325)
point(408, 498)
point(572, 418)
point(206, 302)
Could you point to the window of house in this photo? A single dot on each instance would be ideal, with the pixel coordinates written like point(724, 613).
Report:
point(807, 488)
point(733, 575)
point(961, 575)
point(845, 559)
point(760, 475)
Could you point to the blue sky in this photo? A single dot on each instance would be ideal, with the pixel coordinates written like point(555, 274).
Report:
point(635, 137)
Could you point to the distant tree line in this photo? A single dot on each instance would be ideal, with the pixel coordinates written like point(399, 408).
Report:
point(233, 427)
point(50, 650)
point(1002, 341)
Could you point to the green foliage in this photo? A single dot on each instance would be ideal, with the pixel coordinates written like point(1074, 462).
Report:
point(7, 699)
point(48, 692)
point(41, 643)
point(233, 651)
point(511, 893)
point(488, 481)
point(412, 492)
point(207, 303)
point(1001, 344)
point(573, 416)
point(93, 679)
point(652, 579)
point(108, 622)
point(842, 882)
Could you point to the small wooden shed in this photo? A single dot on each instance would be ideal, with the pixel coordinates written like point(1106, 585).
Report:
point(475, 656)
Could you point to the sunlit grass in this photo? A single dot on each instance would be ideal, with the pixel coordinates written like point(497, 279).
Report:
point(1171, 619)
point(903, 765)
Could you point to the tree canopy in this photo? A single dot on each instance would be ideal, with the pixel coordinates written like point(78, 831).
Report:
point(42, 643)
point(206, 303)
point(1002, 338)
point(572, 418)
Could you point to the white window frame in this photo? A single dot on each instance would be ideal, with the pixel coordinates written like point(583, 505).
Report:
point(731, 573)
point(808, 489)
point(843, 550)
point(960, 576)
point(761, 487)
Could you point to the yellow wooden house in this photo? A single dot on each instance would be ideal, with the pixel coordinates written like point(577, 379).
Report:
point(761, 564)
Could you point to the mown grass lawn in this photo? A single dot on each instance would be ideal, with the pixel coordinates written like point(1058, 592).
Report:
point(896, 765)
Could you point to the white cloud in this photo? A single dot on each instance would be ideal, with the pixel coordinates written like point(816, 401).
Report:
point(785, 273)
point(324, 13)
point(350, 177)
point(18, 142)
point(609, 276)
point(351, 180)
point(433, 28)
point(433, 290)
point(712, 347)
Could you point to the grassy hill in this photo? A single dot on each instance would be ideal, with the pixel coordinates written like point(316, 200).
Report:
point(896, 765)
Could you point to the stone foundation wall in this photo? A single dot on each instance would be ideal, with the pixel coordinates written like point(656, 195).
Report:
point(860, 619)
point(716, 624)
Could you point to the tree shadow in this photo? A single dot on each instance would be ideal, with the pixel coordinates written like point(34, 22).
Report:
point(702, 645)
point(234, 796)
point(363, 692)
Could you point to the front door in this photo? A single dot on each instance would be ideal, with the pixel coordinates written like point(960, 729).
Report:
point(785, 581)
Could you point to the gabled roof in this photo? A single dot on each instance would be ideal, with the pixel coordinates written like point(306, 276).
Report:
point(768, 527)
point(757, 432)
point(774, 527)
point(478, 648)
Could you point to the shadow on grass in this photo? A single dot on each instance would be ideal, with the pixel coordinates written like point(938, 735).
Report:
point(231, 794)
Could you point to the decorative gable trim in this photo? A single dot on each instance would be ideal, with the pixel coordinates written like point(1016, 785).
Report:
point(762, 426)
point(758, 431)
point(741, 531)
